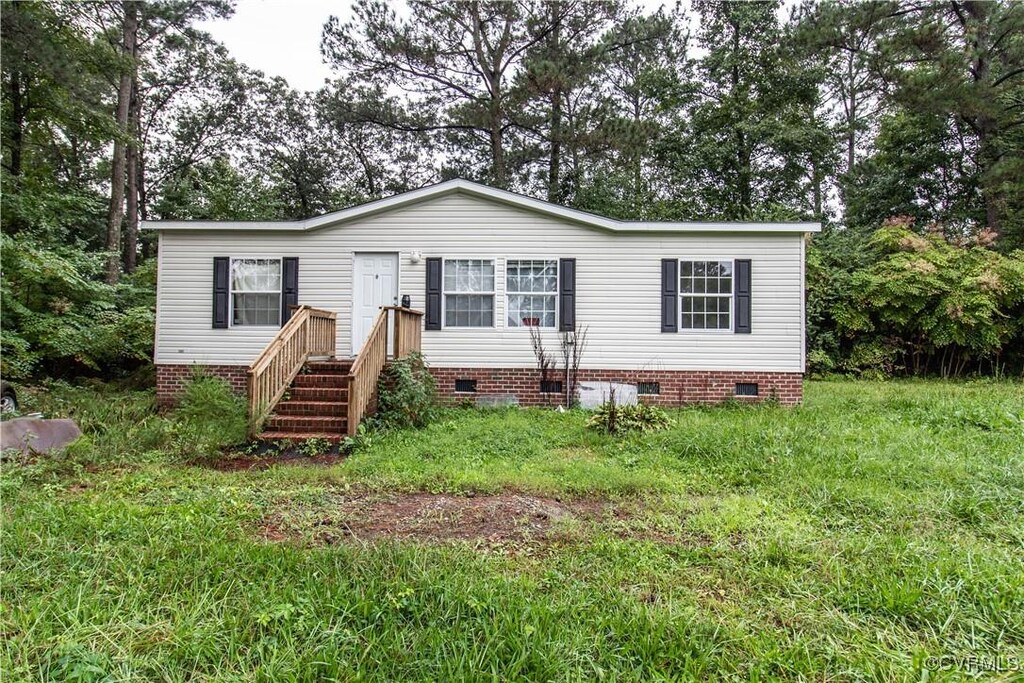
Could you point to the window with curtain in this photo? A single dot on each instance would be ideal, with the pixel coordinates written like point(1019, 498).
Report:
point(705, 289)
point(468, 293)
point(531, 288)
point(255, 292)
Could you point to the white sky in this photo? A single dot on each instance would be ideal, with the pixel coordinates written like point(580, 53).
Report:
point(282, 37)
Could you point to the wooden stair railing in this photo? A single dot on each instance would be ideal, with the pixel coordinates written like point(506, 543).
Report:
point(309, 332)
point(365, 372)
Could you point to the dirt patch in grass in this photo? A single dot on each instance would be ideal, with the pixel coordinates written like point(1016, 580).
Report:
point(509, 522)
point(506, 519)
point(235, 463)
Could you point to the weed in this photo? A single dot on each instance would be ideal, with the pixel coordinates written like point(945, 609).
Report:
point(407, 395)
point(212, 411)
point(314, 447)
point(619, 419)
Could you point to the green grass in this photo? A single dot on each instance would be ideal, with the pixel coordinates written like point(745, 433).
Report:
point(853, 538)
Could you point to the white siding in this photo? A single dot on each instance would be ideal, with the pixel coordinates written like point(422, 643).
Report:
point(618, 288)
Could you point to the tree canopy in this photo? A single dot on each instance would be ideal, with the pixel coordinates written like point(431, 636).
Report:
point(897, 124)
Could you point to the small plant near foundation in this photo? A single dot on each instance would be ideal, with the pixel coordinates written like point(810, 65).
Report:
point(360, 440)
point(209, 416)
point(314, 447)
point(618, 419)
point(574, 345)
point(545, 361)
point(407, 394)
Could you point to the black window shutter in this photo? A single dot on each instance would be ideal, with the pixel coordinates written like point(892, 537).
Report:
point(433, 308)
point(669, 295)
point(289, 287)
point(741, 270)
point(221, 273)
point(567, 294)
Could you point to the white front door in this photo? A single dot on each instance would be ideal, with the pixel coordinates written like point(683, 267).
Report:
point(375, 282)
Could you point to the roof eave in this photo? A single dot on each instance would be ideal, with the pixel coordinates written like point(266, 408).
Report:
point(502, 196)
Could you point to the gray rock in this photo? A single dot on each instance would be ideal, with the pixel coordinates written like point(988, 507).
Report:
point(37, 435)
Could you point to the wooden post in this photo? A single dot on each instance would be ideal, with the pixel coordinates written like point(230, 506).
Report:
point(398, 332)
point(352, 421)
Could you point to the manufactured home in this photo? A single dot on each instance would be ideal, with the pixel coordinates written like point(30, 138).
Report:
point(302, 315)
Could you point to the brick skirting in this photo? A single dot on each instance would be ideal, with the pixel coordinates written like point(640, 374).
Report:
point(677, 387)
point(171, 380)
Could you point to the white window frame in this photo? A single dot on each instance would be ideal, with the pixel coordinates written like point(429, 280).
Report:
point(509, 293)
point(493, 293)
point(231, 291)
point(731, 296)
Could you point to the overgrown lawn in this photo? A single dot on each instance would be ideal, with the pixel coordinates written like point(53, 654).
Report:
point(864, 535)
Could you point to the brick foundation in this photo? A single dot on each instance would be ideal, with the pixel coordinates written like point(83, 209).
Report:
point(677, 387)
point(171, 380)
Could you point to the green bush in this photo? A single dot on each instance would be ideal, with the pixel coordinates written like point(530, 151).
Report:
point(874, 359)
point(407, 394)
point(60, 319)
point(618, 419)
point(209, 416)
point(820, 363)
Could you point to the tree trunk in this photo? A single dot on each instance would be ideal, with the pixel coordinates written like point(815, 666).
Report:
point(816, 182)
point(555, 162)
point(131, 241)
point(17, 122)
point(19, 109)
point(148, 243)
point(555, 159)
point(637, 162)
point(989, 158)
point(497, 146)
point(977, 29)
point(742, 153)
point(116, 213)
point(851, 121)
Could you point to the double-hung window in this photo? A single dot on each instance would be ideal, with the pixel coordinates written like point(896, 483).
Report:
point(531, 287)
point(469, 293)
point(705, 289)
point(255, 291)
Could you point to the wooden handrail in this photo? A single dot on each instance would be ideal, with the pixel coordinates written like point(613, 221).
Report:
point(365, 372)
point(309, 332)
point(408, 330)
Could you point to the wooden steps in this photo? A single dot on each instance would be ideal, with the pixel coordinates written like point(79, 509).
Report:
point(294, 397)
point(315, 405)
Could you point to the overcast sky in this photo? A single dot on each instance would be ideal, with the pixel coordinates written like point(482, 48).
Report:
point(282, 37)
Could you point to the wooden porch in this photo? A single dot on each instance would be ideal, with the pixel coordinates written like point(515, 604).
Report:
point(299, 389)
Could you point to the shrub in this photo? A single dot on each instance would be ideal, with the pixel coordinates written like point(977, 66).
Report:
point(619, 419)
point(61, 320)
point(819, 362)
point(407, 395)
point(210, 414)
point(874, 359)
